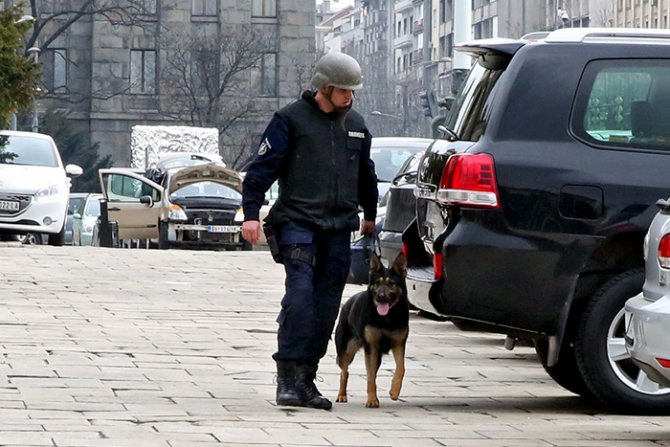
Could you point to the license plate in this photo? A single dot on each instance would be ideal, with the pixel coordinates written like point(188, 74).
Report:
point(223, 229)
point(6, 205)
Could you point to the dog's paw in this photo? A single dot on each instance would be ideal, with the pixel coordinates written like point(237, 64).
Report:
point(342, 398)
point(372, 403)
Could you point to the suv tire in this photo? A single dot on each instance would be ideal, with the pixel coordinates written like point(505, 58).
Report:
point(566, 371)
point(601, 354)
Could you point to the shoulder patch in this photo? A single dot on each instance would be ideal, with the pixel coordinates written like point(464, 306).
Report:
point(264, 147)
point(360, 135)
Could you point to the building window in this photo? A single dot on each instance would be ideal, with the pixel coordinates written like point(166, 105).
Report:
point(143, 71)
point(264, 77)
point(203, 7)
point(264, 8)
point(54, 6)
point(149, 6)
point(55, 70)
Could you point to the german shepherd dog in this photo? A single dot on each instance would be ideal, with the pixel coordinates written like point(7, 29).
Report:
point(376, 320)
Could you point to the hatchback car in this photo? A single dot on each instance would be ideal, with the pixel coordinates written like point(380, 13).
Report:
point(85, 218)
point(34, 186)
point(196, 206)
point(390, 155)
point(648, 313)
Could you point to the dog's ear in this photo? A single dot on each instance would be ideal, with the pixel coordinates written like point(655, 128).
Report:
point(400, 265)
point(375, 263)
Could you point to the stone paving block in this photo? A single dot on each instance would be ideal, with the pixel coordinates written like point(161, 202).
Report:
point(173, 348)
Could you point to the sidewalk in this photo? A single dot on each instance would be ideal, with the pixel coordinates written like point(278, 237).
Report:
point(120, 347)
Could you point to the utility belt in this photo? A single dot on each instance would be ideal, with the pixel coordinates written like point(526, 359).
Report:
point(280, 254)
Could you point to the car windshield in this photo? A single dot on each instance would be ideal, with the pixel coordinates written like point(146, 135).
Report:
point(389, 159)
point(27, 150)
point(74, 204)
point(206, 189)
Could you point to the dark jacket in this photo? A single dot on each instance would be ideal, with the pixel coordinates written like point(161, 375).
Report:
point(322, 161)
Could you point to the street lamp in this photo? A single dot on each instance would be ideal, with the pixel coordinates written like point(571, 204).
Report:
point(378, 113)
point(35, 52)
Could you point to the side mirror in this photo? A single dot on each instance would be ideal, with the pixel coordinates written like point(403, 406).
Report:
point(147, 200)
point(76, 216)
point(73, 170)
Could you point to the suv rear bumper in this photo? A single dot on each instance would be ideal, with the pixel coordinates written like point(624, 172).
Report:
point(420, 285)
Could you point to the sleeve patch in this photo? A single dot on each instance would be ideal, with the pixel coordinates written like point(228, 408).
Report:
point(264, 147)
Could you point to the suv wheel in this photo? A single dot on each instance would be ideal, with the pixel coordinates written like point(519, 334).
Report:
point(565, 372)
point(601, 353)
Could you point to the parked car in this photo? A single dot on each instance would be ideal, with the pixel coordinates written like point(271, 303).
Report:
point(193, 206)
point(390, 155)
point(648, 313)
point(34, 186)
point(74, 204)
point(85, 218)
point(530, 220)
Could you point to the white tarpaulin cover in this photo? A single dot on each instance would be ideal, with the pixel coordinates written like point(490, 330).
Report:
point(146, 142)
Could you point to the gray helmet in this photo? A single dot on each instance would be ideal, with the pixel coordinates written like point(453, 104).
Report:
point(338, 70)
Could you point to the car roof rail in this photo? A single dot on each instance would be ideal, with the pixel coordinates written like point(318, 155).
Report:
point(609, 35)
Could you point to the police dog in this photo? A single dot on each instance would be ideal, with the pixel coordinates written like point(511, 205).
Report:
point(376, 320)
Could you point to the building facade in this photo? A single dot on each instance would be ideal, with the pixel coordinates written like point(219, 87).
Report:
point(139, 63)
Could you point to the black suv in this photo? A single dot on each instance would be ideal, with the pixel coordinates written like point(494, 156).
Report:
point(530, 221)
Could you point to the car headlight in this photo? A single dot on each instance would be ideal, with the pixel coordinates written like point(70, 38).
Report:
point(50, 190)
point(175, 212)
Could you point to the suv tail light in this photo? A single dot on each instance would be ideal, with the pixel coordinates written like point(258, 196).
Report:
point(469, 179)
point(664, 252)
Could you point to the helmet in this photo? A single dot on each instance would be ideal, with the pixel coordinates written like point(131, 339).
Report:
point(338, 70)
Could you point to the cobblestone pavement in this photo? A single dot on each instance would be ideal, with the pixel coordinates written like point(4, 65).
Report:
point(120, 347)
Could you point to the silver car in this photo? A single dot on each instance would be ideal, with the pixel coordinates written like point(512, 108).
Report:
point(648, 314)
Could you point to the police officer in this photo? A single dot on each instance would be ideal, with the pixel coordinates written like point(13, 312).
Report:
point(319, 149)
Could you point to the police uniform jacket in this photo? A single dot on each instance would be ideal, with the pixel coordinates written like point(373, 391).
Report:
point(322, 161)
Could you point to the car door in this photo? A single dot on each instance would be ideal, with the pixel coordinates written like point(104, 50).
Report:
point(133, 201)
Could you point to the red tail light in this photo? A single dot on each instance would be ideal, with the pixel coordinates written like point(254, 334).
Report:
point(405, 250)
point(437, 265)
point(665, 363)
point(469, 179)
point(664, 252)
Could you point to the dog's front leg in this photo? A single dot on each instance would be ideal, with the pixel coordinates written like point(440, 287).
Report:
point(372, 362)
point(398, 350)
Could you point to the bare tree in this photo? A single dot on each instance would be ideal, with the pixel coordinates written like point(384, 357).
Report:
point(50, 24)
point(212, 81)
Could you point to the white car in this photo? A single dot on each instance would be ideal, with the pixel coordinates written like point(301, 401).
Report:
point(648, 313)
point(34, 186)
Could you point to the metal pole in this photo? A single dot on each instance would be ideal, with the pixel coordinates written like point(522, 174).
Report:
point(35, 51)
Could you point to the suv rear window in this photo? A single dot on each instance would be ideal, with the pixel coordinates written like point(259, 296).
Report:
point(624, 104)
point(469, 114)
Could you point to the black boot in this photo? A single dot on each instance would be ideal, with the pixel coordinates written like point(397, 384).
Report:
point(305, 386)
point(287, 394)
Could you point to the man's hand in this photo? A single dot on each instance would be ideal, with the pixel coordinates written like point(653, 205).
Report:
point(251, 231)
point(367, 227)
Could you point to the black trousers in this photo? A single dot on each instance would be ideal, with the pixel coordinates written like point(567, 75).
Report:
point(313, 292)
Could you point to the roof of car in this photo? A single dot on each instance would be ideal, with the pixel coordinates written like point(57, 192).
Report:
point(19, 133)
